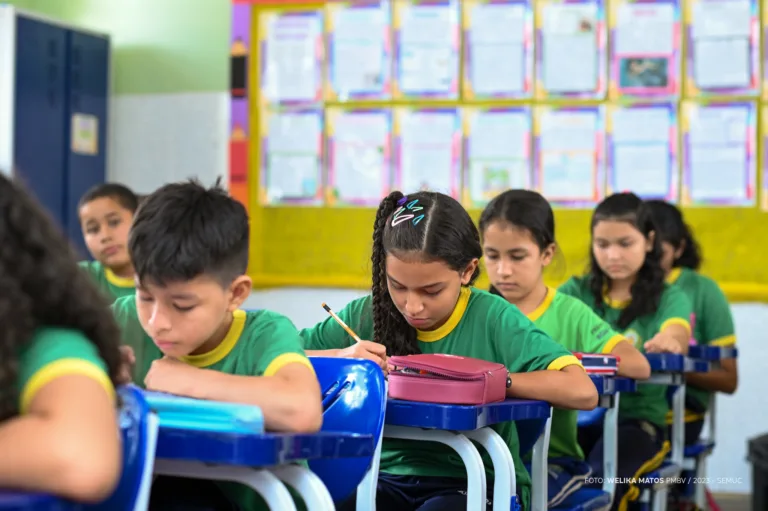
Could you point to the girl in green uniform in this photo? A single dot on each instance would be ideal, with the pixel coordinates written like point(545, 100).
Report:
point(712, 320)
point(518, 231)
point(625, 286)
point(425, 258)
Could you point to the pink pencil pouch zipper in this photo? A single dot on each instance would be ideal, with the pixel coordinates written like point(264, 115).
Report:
point(447, 379)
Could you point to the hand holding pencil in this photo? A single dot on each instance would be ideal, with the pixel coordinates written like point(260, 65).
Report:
point(361, 349)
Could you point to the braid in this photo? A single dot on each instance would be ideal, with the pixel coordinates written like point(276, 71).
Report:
point(389, 326)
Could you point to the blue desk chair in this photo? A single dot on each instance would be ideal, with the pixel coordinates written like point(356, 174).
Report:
point(354, 400)
point(138, 427)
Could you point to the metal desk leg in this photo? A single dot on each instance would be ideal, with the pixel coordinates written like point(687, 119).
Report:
point(505, 483)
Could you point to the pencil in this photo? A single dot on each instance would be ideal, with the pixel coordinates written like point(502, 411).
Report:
point(343, 325)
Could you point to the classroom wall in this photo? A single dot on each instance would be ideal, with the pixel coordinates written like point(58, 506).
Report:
point(169, 121)
point(170, 72)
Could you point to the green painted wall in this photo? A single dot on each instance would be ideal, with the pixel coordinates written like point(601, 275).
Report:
point(159, 46)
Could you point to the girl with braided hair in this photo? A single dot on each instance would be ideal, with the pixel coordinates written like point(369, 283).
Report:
point(59, 362)
point(425, 259)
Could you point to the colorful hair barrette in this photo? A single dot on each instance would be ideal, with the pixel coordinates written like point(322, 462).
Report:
point(402, 201)
point(411, 208)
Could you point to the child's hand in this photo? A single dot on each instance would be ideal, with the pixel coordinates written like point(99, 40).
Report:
point(662, 343)
point(369, 350)
point(127, 361)
point(170, 375)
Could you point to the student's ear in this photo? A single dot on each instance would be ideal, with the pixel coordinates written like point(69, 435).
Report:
point(548, 254)
point(239, 291)
point(679, 250)
point(649, 241)
point(466, 275)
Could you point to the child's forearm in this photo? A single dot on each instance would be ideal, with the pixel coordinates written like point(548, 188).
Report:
point(322, 353)
point(286, 405)
point(568, 388)
point(633, 364)
point(725, 379)
point(36, 456)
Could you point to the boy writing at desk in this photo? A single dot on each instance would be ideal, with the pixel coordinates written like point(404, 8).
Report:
point(189, 247)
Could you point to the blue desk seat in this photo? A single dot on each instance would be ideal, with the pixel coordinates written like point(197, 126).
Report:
point(699, 448)
point(586, 499)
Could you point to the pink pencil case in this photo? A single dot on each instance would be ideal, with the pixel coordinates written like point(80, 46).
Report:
point(447, 379)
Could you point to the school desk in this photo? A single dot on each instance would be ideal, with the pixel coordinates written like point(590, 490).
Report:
point(20, 501)
point(456, 425)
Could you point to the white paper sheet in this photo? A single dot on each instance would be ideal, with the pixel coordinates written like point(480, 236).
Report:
point(721, 52)
point(293, 155)
point(359, 164)
point(291, 72)
point(645, 29)
point(358, 50)
point(428, 56)
point(498, 58)
point(568, 148)
point(427, 145)
point(498, 153)
point(641, 151)
point(718, 157)
point(570, 52)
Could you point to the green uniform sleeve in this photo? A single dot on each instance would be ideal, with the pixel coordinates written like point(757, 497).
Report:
point(132, 334)
point(92, 268)
point(279, 344)
point(57, 352)
point(592, 333)
point(525, 348)
point(675, 309)
point(716, 319)
point(329, 335)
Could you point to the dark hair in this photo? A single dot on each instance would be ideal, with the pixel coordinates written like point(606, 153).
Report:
point(524, 209)
point(184, 230)
point(649, 284)
point(671, 227)
point(445, 233)
point(42, 286)
point(115, 191)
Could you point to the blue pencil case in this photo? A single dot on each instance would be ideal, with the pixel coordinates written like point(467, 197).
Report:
point(179, 412)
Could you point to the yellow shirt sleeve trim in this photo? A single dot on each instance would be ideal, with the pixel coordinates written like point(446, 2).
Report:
point(612, 342)
point(562, 362)
point(676, 321)
point(287, 358)
point(726, 341)
point(59, 368)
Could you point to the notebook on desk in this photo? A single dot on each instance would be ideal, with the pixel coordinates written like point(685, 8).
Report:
point(597, 363)
point(179, 412)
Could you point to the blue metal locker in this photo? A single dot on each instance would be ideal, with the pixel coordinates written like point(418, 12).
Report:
point(88, 82)
point(40, 129)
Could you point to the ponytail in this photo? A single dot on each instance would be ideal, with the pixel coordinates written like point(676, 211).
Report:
point(389, 326)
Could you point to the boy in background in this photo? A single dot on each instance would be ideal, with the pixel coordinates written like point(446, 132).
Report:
point(106, 212)
point(189, 246)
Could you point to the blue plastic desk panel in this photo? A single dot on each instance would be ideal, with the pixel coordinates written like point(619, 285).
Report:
point(259, 450)
point(712, 353)
point(462, 417)
point(17, 501)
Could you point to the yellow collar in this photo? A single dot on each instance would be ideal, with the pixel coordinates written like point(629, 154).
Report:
point(224, 348)
point(453, 320)
point(674, 275)
point(542, 308)
point(118, 281)
point(614, 304)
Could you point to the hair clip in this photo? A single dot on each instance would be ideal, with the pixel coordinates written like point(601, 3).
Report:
point(402, 201)
point(398, 217)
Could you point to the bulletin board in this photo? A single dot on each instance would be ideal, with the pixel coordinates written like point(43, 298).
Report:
point(315, 145)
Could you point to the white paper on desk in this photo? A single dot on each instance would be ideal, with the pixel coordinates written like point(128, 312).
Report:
point(645, 29)
point(359, 164)
point(568, 144)
point(427, 144)
point(498, 60)
point(570, 50)
point(358, 50)
point(498, 153)
point(641, 162)
point(721, 52)
point(718, 138)
point(293, 155)
point(291, 58)
point(428, 56)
